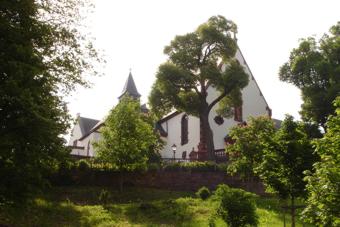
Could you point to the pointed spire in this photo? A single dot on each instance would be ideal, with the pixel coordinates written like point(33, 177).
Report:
point(130, 88)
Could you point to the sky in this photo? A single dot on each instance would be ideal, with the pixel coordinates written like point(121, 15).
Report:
point(132, 34)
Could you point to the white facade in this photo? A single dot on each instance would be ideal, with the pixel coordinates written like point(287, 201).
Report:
point(173, 129)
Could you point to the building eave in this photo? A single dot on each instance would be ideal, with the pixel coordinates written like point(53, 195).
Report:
point(168, 117)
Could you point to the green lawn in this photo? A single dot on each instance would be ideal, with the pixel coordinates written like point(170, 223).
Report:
point(80, 206)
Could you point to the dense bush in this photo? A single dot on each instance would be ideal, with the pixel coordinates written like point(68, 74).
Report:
point(203, 193)
point(83, 165)
point(237, 207)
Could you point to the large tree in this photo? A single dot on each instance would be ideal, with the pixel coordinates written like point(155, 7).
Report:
point(194, 65)
point(42, 56)
point(323, 204)
point(128, 138)
point(314, 67)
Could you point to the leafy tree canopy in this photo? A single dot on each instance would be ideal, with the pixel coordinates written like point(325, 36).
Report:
point(285, 160)
point(323, 186)
point(249, 141)
point(42, 56)
point(314, 68)
point(127, 137)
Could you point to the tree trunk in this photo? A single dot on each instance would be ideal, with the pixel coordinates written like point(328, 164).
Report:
point(206, 137)
point(121, 181)
point(293, 211)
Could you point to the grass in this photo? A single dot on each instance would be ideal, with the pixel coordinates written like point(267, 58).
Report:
point(80, 206)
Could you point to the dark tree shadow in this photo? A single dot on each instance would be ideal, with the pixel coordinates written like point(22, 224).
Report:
point(41, 213)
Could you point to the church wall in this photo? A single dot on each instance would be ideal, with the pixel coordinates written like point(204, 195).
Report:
point(75, 134)
point(173, 127)
point(254, 104)
point(88, 143)
point(78, 151)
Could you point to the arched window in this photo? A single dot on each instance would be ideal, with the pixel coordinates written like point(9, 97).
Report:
point(184, 129)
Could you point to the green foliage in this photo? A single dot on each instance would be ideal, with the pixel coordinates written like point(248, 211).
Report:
point(246, 153)
point(220, 191)
point(83, 165)
point(195, 166)
point(314, 68)
point(203, 193)
point(285, 160)
point(237, 207)
point(323, 186)
point(194, 65)
point(43, 56)
point(279, 157)
point(127, 137)
point(78, 206)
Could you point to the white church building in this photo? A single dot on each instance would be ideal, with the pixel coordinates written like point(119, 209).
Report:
point(179, 130)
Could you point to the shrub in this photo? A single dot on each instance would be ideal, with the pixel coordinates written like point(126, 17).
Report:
point(203, 193)
point(154, 166)
point(83, 165)
point(175, 166)
point(220, 191)
point(222, 167)
point(237, 207)
point(199, 166)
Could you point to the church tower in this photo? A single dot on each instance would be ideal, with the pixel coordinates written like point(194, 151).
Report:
point(130, 88)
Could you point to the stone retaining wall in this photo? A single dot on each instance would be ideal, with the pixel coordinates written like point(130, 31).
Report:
point(171, 180)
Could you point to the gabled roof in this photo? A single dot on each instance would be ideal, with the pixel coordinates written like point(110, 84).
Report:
point(93, 129)
point(86, 124)
point(130, 88)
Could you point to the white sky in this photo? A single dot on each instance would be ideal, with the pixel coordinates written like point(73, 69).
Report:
point(132, 34)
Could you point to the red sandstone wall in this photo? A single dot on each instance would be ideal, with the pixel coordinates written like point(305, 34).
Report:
point(171, 180)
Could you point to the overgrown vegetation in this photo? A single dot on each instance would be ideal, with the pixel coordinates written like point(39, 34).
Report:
point(81, 206)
